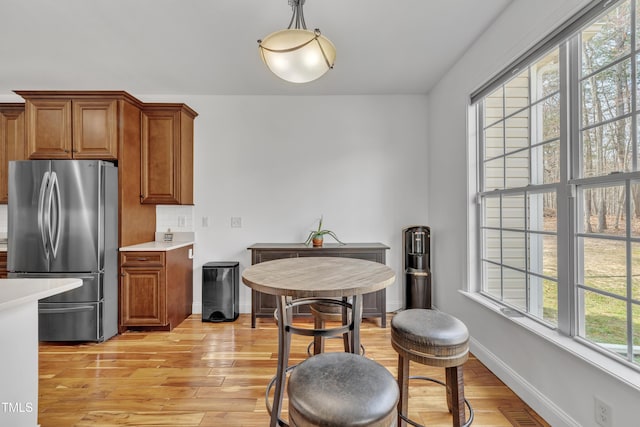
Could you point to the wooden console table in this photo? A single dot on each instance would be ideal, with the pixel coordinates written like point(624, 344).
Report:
point(373, 304)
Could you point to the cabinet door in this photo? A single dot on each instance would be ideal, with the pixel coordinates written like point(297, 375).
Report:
point(143, 298)
point(264, 304)
point(48, 128)
point(160, 155)
point(95, 129)
point(167, 154)
point(3, 265)
point(374, 304)
point(12, 144)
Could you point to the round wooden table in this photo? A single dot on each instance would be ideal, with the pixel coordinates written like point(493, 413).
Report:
point(305, 280)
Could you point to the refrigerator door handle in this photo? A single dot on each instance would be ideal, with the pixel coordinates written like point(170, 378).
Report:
point(55, 187)
point(66, 309)
point(42, 214)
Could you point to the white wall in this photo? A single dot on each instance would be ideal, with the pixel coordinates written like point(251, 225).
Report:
point(555, 382)
point(281, 162)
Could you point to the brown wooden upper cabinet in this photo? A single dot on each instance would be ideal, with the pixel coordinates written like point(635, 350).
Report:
point(71, 125)
point(167, 154)
point(12, 143)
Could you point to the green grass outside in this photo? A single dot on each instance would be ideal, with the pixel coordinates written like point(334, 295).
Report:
point(605, 269)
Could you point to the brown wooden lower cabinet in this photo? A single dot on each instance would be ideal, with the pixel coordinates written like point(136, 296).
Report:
point(373, 304)
point(156, 288)
point(3, 264)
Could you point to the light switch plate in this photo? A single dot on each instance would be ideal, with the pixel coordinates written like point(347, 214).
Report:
point(236, 222)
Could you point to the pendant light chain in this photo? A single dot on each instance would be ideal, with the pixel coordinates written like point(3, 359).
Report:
point(298, 15)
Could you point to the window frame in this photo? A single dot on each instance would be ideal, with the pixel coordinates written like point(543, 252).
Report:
point(567, 40)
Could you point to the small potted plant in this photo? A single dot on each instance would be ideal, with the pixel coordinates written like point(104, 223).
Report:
point(317, 236)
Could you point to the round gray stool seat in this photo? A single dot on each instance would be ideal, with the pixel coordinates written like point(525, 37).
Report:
point(430, 337)
point(342, 389)
point(329, 311)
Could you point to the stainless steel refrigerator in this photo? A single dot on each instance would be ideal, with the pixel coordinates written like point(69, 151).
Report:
point(63, 222)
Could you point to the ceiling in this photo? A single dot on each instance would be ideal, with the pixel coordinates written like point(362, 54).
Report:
point(209, 47)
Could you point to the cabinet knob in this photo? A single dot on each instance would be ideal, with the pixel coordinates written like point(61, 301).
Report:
point(122, 274)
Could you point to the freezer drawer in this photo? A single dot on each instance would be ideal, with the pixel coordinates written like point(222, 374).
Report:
point(70, 322)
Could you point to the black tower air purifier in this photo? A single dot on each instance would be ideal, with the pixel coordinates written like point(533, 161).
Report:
point(220, 288)
point(417, 266)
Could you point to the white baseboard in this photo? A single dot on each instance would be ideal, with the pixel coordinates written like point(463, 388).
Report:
point(540, 403)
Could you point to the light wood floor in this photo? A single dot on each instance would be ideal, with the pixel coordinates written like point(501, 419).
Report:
point(215, 374)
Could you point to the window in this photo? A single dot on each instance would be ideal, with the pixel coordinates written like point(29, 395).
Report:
point(558, 138)
point(520, 150)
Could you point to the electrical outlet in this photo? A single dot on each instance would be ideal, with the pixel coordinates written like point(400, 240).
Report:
point(205, 221)
point(236, 222)
point(603, 413)
point(182, 221)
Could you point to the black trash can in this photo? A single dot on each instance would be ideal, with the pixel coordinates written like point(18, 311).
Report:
point(220, 289)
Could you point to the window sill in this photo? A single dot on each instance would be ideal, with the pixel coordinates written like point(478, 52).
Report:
point(618, 370)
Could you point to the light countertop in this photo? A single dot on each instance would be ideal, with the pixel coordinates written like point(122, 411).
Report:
point(156, 246)
point(3, 247)
point(14, 292)
point(180, 240)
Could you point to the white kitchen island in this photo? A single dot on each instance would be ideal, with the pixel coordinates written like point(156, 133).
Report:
point(19, 353)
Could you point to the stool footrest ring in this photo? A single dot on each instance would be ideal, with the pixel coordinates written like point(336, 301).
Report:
point(466, 402)
point(362, 352)
point(281, 422)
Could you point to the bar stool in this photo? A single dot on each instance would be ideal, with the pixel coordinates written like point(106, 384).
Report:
point(432, 338)
point(287, 328)
point(342, 389)
point(325, 312)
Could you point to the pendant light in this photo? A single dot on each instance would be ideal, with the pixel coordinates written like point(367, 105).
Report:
point(296, 54)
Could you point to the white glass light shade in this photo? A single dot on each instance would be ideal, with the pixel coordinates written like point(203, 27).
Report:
point(297, 56)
